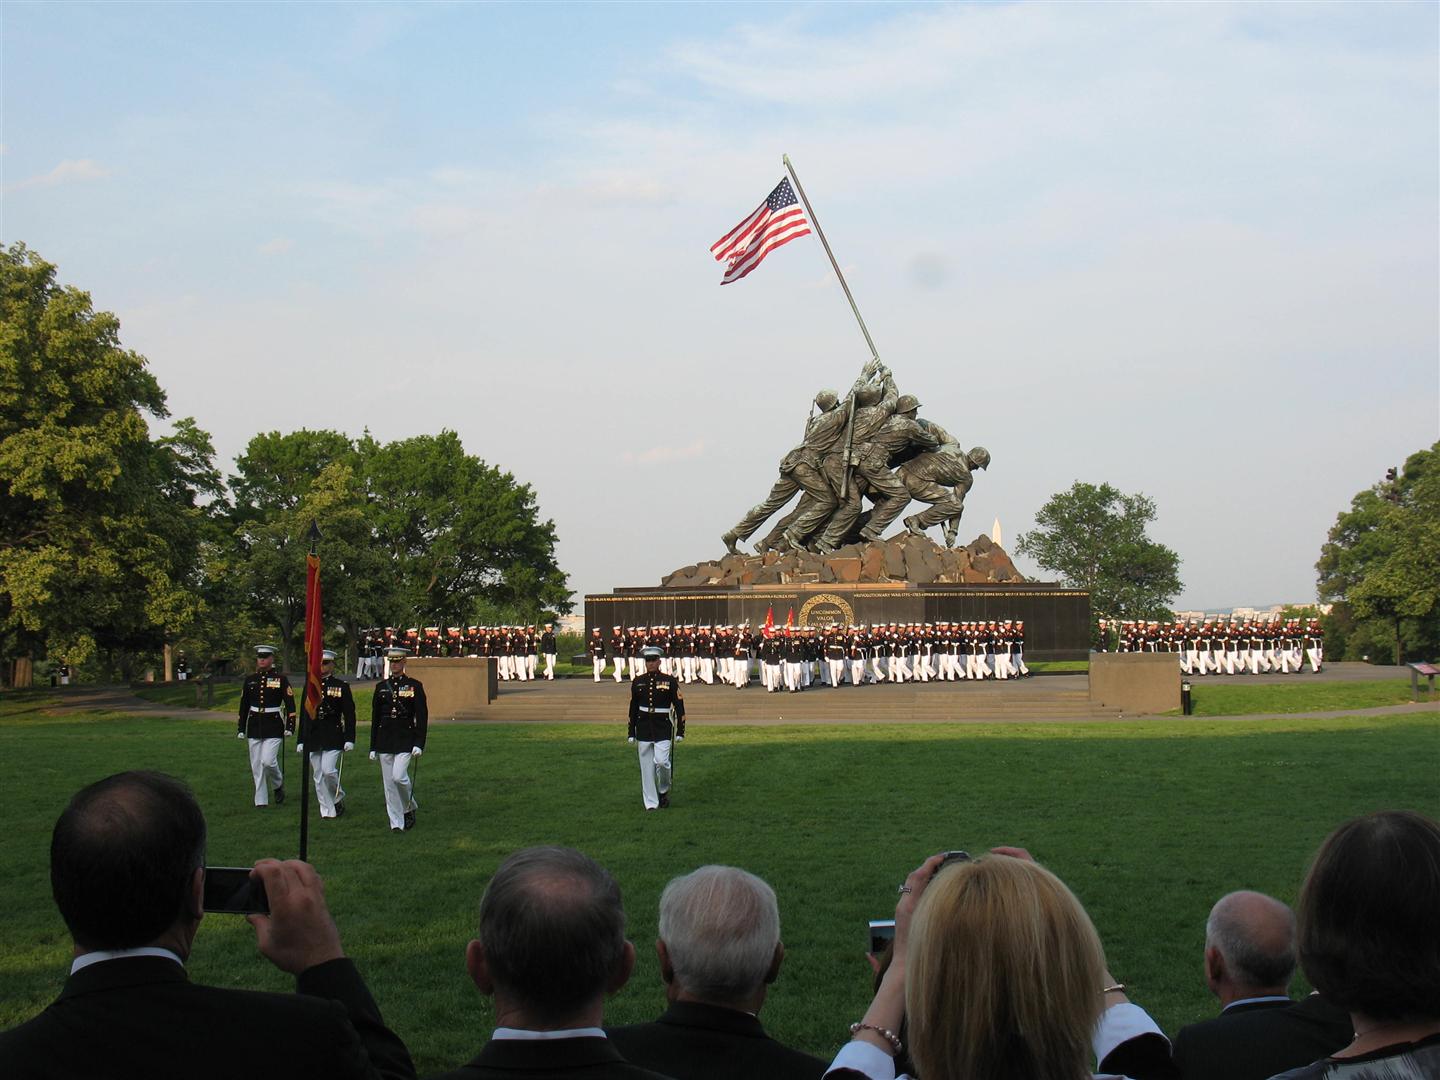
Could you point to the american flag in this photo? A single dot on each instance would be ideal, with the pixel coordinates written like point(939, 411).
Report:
point(777, 220)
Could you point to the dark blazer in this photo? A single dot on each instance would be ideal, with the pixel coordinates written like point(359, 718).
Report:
point(142, 1018)
point(584, 1058)
point(691, 1041)
point(1262, 1039)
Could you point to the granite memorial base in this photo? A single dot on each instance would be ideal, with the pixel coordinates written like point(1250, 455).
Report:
point(456, 688)
point(1135, 682)
point(1057, 619)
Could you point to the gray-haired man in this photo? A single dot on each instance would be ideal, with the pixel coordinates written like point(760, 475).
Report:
point(719, 950)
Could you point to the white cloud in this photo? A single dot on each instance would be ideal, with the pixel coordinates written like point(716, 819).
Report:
point(67, 172)
point(660, 455)
point(277, 246)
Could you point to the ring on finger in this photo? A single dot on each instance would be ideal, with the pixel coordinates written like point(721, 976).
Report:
point(904, 889)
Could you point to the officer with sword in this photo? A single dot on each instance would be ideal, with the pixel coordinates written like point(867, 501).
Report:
point(657, 721)
point(267, 715)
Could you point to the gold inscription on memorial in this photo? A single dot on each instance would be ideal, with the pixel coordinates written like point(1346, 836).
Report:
point(826, 609)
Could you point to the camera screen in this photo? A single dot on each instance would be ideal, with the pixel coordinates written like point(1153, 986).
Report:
point(229, 889)
point(882, 932)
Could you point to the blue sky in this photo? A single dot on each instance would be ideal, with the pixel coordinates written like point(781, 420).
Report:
point(1187, 249)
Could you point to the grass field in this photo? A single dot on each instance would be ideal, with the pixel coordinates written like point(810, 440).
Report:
point(1148, 821)
point(1226, 699)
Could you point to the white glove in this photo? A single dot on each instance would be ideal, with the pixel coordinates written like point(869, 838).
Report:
point(239, 734)
point(679, 738)
point(349, 746)
point(416, 751)
point(374, 756)
point(631, 739)
point(299, 747)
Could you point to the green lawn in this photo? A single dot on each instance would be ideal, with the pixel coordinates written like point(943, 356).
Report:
point(1222, 699)
point(1148, 821)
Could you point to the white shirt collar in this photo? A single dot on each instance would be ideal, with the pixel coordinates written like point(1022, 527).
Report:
point(567, 1033)
point(1255, 1000)
point(99, 956)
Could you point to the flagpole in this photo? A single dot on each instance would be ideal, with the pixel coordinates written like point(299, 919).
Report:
point(821, 233)
point(314, 538)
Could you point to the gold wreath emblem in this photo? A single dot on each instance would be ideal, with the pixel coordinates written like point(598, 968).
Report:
point(826, 598)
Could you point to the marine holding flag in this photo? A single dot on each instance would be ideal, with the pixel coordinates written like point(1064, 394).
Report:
point(329, 734)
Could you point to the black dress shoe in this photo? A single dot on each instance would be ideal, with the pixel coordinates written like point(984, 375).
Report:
point(409, 819)
point(280, 795)
point(340, 808)
point(394, 829)
point(664, 800)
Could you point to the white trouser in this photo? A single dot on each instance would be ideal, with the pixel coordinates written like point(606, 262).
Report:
point(877, 668)
point(619, 668)
point(740, 669)
point(399, 790)
point(1314, 655)
point(792, 674)
point(530, 660)
point(654, 771)
point(770, 673)
point(325, 767)
point(837, 671)
point(857, 671)
point(1188, 660)
point(502, 666)
point(550, 666)
point(598, 663)
point(896, 668)
point(975, 665)
point(687, 668)
point(265, 768)
point(924, 670)
point(807, 673)
point(727, 669)
point(706, 668)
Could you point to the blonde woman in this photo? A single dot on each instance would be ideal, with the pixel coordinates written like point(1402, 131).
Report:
point(998, 974)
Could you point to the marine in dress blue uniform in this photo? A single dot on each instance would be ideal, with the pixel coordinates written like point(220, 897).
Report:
point(267, 715)
point(657, 715)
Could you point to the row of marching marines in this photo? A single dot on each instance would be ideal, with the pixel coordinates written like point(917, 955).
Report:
point(1223, 646)
point(518, 649)
point(797, 657)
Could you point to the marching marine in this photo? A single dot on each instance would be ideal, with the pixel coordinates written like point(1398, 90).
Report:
point(329, 734)
point(399, 718)
point(267, 715)
point(657, 715)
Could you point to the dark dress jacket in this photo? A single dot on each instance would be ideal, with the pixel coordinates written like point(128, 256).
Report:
point(142, 1018)
point(1262, 1039)
point(585, 1058)
point(691, 1041)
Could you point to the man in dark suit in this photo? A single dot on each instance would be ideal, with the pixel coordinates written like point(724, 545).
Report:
point(719, 950)
point(1249, 960)
point(551, 947)
point(127, 872)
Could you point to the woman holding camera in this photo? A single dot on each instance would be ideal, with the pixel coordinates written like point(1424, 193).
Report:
point(997, 974)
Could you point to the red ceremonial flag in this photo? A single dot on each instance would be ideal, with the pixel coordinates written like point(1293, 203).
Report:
point(770, 619)
point(314, 636)
point(776, 221)
point(790, 618)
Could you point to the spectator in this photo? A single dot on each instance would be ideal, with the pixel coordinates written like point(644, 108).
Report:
point(1368, 916)
point(551, 947)
point(127, 871)
point(719, 950)
point(999, 973)
point(1249, 960)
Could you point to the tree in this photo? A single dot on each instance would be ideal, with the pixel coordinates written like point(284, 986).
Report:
point(462, 534)
point(1094, 537)
point(1380, 565)
point(99, 523)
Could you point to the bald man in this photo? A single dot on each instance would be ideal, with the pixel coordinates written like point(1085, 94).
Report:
point(1249, 961)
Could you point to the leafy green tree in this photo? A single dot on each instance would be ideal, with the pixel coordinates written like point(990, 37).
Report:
point(1094, 538)
point(463, 535)
point(100, 524)
point(1380, 565)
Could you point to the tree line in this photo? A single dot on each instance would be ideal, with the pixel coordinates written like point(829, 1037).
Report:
point(119, 547)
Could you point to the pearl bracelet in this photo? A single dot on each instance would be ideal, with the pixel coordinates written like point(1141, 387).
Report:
point(885, 1033)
